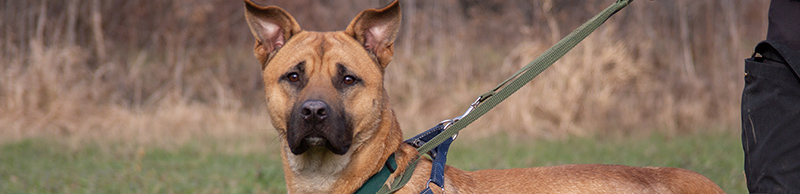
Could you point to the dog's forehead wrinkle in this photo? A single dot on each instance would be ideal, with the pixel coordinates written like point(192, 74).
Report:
point(341, 69)
point(345, 50)
point(321, 45)
point(301, 66)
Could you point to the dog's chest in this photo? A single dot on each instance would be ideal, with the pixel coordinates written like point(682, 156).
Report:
point(316, 172)
point(314, 183)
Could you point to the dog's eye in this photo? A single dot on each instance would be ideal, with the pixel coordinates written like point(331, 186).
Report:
point(293, 77)
point(349, 80)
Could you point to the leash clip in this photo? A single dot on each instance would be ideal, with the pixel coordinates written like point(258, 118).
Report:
point(448, 122)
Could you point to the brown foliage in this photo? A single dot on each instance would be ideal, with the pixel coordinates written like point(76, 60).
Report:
point(123, 67)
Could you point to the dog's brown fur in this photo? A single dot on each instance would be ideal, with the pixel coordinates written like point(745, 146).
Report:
point(326, 99)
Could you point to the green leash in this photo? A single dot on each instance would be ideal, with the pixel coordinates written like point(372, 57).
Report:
point(374, 183)
point(490, 99)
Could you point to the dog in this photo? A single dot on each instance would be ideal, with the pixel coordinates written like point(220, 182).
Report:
point(326, 98)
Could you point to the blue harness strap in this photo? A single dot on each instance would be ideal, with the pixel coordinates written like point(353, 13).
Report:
point(438, 154)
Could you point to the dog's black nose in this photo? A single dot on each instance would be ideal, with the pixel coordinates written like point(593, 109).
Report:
point(314, 111)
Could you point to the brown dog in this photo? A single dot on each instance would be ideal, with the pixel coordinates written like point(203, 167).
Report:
point(326, 99)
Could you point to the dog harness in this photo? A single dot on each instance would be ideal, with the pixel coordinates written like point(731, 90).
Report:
point(375, 182)
point(438, 154)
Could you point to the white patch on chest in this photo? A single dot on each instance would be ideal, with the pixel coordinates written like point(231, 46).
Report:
point(317, 169)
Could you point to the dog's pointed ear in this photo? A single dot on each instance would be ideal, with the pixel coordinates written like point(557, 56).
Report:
point(376, 30)
point(271, 26)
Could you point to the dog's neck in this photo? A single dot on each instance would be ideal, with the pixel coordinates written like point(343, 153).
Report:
point(315, 171)
point(319, 170)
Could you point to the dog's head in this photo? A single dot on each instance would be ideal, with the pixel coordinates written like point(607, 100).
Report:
point(324, 89)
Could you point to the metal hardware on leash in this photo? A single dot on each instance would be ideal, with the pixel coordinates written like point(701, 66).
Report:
point(448, 122)
point(429, 185)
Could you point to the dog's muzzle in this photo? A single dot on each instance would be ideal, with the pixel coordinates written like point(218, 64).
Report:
point(315, 123)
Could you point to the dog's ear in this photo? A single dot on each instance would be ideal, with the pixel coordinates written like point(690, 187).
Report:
point(376, 30)
point(271, 26)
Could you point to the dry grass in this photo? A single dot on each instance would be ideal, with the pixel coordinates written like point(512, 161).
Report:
point(164, 72)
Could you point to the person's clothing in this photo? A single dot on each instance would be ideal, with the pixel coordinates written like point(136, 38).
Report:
point(771, 105)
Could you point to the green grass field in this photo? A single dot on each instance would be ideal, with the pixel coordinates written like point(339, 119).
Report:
point(40, 166)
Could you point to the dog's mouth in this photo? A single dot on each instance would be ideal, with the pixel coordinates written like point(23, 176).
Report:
point(315, 141)
point(310, 141)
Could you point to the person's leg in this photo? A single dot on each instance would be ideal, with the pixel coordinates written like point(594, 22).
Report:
point(771, 122)
point(771, 105)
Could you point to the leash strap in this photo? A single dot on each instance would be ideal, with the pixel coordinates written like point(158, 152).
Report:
point(424, 137)
point(490, 99)
point(375, 182)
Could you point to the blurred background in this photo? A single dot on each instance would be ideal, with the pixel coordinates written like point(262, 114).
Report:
point(163, 73)
point(142, 70)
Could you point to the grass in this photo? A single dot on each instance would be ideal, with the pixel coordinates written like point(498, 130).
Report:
point(43, 166)
point(36, 166)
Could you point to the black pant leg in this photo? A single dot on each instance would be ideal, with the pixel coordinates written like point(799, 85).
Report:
point(771, 123)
